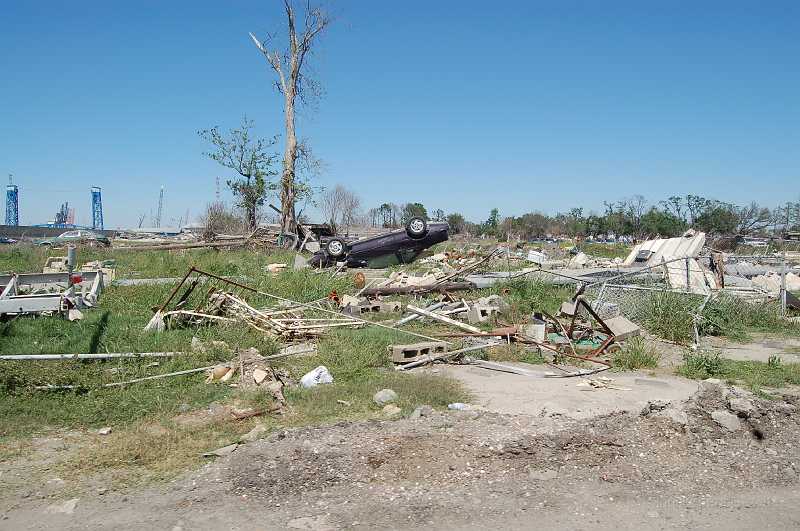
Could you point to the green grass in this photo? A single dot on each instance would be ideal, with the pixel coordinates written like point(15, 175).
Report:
point(527, 295)
point(669, 315)
point(514, 352)
point(357, 358)
point(146, 264)
point(606, 250)
point(634, 354)
point(754, 374)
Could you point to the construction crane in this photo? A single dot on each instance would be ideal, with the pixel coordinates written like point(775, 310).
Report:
point(160, 207)
point(12, 203)
point(97, 209)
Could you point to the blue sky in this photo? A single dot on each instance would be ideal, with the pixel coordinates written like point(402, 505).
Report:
point(463, 106)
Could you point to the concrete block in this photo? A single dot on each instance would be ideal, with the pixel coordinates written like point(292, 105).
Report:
point(414, 351)
point(357, 310)
point(496, 301)
point(391, 307)
point(568, 308)
point(536, 330)
point(478, 313)
point(622, 328)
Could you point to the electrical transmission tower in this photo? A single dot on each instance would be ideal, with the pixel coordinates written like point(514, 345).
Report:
point(12, 204)
point(160, 207)
point(97, 208)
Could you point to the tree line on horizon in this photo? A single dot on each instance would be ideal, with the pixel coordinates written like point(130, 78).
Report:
point(627, 217)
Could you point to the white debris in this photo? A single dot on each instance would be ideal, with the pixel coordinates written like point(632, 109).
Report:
point(320, 375)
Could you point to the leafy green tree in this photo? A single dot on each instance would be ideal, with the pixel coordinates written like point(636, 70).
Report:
point(491, 225)
point(411, 210)
point(250, 158)
point(457, 223)
point(658, 222)
point(720, 218)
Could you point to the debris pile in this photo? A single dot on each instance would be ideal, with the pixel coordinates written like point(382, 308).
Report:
point(59, 290)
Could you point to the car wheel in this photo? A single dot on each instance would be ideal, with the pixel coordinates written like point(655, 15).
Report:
point(417, 227)
point(336, 248)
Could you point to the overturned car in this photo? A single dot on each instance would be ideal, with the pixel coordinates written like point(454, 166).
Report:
point(400, 246)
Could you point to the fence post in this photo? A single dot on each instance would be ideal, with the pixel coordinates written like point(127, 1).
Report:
point(688, 277)
point(783, 283)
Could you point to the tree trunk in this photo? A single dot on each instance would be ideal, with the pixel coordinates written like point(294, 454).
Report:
point(288, 217)
point(252, 222)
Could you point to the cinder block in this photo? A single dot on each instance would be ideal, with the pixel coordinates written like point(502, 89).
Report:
point(479, 313)
point(356, 310)
point(414, 351)
point(622, 328)
point(568, 308)
point(391, 307)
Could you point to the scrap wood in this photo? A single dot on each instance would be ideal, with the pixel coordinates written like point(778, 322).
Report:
point(569, 374)
point(291, 350)
point(497, 332)
point(179, 246)
point(501, 367)
point(314, 305)
point(410, 290)
point(137, 380)
point(98, 356)
point(600, 383)
point(444, 319)
point(409, 318)
point(468, 268)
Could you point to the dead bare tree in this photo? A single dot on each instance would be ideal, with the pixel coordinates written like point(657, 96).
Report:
point(340, 206)
point(293, 81)
point(753, 218)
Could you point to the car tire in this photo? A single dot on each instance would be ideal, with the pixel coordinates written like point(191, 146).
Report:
point(336, 248)
point(417, 227)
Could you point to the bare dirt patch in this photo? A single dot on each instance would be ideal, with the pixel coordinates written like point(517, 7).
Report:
point(670, 466)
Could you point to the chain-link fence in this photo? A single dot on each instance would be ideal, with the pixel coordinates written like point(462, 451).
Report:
point(678, 290)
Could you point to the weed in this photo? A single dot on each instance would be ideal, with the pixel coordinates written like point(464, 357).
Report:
point(515, 352)
point(668, 315)
point(731, 317)
point(527, 295)
point(634, 354)
point(754, 374)
point(701, 365)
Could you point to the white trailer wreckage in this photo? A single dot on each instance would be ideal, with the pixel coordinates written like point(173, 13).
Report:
point(49, 293)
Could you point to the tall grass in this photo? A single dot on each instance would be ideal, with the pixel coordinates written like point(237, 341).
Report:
point(634, 354)
point(669, 316)
point(754, 374)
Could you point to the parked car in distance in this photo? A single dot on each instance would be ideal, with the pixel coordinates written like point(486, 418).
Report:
point(77, 237)
point(4, 240)
point(400, 246)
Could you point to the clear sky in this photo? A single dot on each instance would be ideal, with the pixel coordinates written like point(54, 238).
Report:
point(461, 105)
